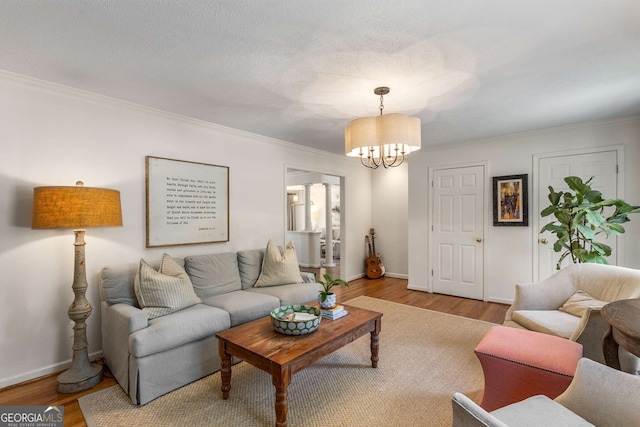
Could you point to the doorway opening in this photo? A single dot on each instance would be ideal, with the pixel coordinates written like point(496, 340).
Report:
point(314, 205)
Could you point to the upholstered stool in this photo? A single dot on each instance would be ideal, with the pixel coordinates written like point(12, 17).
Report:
point(518, 363)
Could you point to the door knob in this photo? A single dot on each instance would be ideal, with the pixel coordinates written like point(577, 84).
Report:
point(479, 239)
point(543, 241)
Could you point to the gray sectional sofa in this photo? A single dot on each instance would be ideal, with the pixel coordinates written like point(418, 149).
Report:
point(151, 357)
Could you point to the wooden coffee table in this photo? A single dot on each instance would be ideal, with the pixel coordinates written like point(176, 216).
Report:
point(282, 355)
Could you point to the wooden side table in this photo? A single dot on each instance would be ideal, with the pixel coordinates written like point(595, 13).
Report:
point(624, 318)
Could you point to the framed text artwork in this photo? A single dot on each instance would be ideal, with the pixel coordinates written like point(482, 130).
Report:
point(187, 202)
point(510, 200)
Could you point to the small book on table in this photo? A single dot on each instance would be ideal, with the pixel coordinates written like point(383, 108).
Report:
point(334, 313)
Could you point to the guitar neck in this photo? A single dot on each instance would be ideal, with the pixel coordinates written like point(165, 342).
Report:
point(373, 241)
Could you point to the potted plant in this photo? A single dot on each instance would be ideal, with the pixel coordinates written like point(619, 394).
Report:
point(326, 298)
point(581, 217)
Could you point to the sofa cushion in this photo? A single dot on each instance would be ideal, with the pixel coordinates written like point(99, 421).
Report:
point(213, 274)
point(552, 322)
point(538, 411)
point(279, 268)
point(116, 284)
point(298, 293)
point(250, 264)
point(244, 306)
point(164, 291)
point(579, 302)
point(176, 329)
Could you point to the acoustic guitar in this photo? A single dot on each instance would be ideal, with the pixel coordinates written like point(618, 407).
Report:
point(374, 267)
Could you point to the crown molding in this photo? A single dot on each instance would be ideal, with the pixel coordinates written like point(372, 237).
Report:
point(83, 95)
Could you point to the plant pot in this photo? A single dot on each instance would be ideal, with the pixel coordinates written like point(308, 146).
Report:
point(329, 302)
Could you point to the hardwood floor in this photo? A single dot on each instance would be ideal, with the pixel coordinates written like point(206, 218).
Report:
point(395, 290)
point(42, 391)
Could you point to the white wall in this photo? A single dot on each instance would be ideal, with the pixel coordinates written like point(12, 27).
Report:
point(390, 202)
point(509, 250)
point(55, 136)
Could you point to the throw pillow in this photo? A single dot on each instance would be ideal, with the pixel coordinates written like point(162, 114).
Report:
point(164, 291)
point(578, 303)
point(279, 268)
point(213, 274)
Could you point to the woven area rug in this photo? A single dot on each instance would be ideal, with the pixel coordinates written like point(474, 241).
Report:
point(425, 356)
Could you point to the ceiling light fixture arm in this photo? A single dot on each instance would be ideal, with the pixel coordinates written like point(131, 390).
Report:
point(373, 163)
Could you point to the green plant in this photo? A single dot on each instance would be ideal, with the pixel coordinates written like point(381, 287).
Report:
point(581, 217)
point(328, 283)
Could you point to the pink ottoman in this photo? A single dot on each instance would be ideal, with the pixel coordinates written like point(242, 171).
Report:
point(518, 364)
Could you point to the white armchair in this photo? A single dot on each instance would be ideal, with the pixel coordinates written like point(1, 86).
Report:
point(568, 305)
point(597, 396)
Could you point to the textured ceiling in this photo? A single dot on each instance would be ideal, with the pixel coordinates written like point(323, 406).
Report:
point(299, 71)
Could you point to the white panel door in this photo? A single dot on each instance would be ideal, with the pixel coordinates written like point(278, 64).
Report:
point(551, 172)
point(457, 231)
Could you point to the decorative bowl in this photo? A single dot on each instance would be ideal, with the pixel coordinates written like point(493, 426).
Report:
point(296, 319)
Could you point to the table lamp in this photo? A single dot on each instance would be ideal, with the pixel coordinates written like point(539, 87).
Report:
point(78, 208)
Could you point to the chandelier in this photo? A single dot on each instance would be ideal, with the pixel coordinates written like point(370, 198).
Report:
point(382, 140)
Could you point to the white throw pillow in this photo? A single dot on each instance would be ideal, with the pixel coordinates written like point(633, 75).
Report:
point(165, 291)
point(578, 303)
point(277, 268)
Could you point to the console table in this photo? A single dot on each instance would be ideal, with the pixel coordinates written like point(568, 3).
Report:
point(624, 318)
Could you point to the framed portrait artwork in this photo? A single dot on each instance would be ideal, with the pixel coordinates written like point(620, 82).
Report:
point(187, 202)
point(510, 201)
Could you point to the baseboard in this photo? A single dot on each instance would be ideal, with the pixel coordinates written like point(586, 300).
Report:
point(43, 372)
point(392, 275)
point(500, 300)
point(417, 288)
point(397, 275)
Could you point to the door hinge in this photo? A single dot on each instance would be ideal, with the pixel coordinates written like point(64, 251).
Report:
point(432, 272)
point(617, 169)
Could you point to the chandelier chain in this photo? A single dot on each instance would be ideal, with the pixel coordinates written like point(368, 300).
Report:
point(381, 107)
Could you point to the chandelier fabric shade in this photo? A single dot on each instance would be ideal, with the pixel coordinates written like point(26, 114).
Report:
point(75, 207)
point(382, 140)
point(389, 131)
